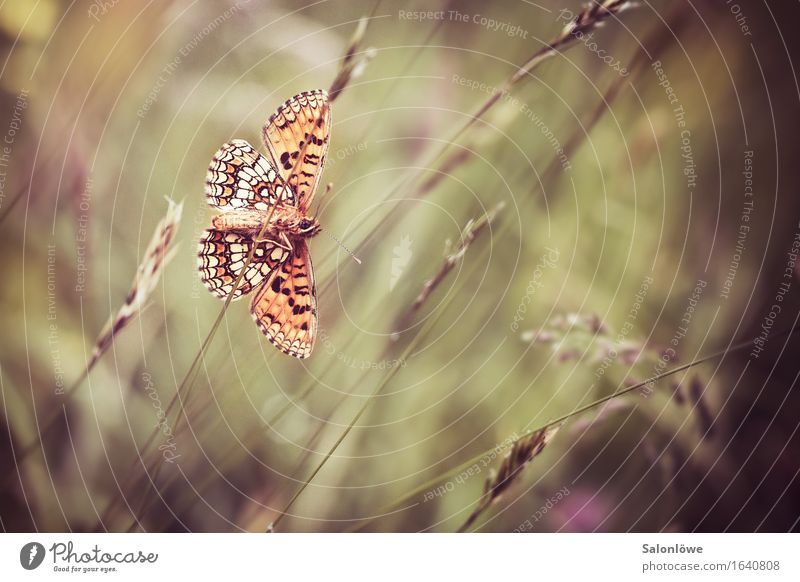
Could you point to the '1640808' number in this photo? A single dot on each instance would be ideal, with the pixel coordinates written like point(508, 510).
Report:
point(758, 565)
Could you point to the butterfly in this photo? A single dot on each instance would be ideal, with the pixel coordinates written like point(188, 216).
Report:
point(263, 207)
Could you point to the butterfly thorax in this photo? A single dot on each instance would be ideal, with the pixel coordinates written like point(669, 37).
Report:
point(284, 219)
point(294, 223)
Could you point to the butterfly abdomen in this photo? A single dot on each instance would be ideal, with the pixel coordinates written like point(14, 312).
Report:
point(241, 221)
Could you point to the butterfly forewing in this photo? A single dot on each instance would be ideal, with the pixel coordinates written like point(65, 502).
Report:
point(240, 177)
point(296, 137)
point(286, 308)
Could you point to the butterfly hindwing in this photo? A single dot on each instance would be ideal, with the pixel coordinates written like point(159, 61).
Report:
point(240, 177)
point(222, 255)
point(285, 309)
point(296, 137)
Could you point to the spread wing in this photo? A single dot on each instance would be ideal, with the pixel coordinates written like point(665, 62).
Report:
point(296, 137)
point(222, 256)
point(285, 310)
point(240, 177)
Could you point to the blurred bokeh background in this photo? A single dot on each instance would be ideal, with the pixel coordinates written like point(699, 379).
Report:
point(642, 184)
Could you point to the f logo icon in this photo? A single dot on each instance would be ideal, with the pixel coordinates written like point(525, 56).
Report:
point(31, 555)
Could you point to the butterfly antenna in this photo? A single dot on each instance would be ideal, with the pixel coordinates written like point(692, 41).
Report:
point(320, 207)
point(341, 244)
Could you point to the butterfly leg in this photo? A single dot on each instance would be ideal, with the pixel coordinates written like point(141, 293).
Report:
point(283, 243)
point(287, 244)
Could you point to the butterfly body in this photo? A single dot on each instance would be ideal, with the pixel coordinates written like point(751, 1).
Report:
point(286, 221)
point(258, 240)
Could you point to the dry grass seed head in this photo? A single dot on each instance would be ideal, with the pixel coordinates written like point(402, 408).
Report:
point(522, 452)
point(159, 252)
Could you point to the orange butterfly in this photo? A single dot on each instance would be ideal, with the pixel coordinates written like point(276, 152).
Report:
point(255, 195)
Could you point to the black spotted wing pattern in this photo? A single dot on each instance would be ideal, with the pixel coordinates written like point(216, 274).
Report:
point(296, 137)
point(222, 255)
point(285, 310)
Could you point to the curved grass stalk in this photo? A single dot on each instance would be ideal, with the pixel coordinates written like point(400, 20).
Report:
point(157, 255)
point(258, 430)
point(209, 479)
point(586, 20)
point(558, 421)
point(188, 381)
point(550, 170)
point(429, 324)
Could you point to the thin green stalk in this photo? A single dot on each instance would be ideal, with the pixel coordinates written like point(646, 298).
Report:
point(193, 368)
point(188, 379)
point(258, 430)
point(545, 52)
point(429, 324)
point(51, 420)
point(549, 50)
point(472, 460)
point(572, 144)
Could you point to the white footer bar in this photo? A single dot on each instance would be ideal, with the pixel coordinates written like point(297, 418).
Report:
point(387, 557)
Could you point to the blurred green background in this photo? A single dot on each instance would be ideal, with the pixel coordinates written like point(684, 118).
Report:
point(111, 107)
